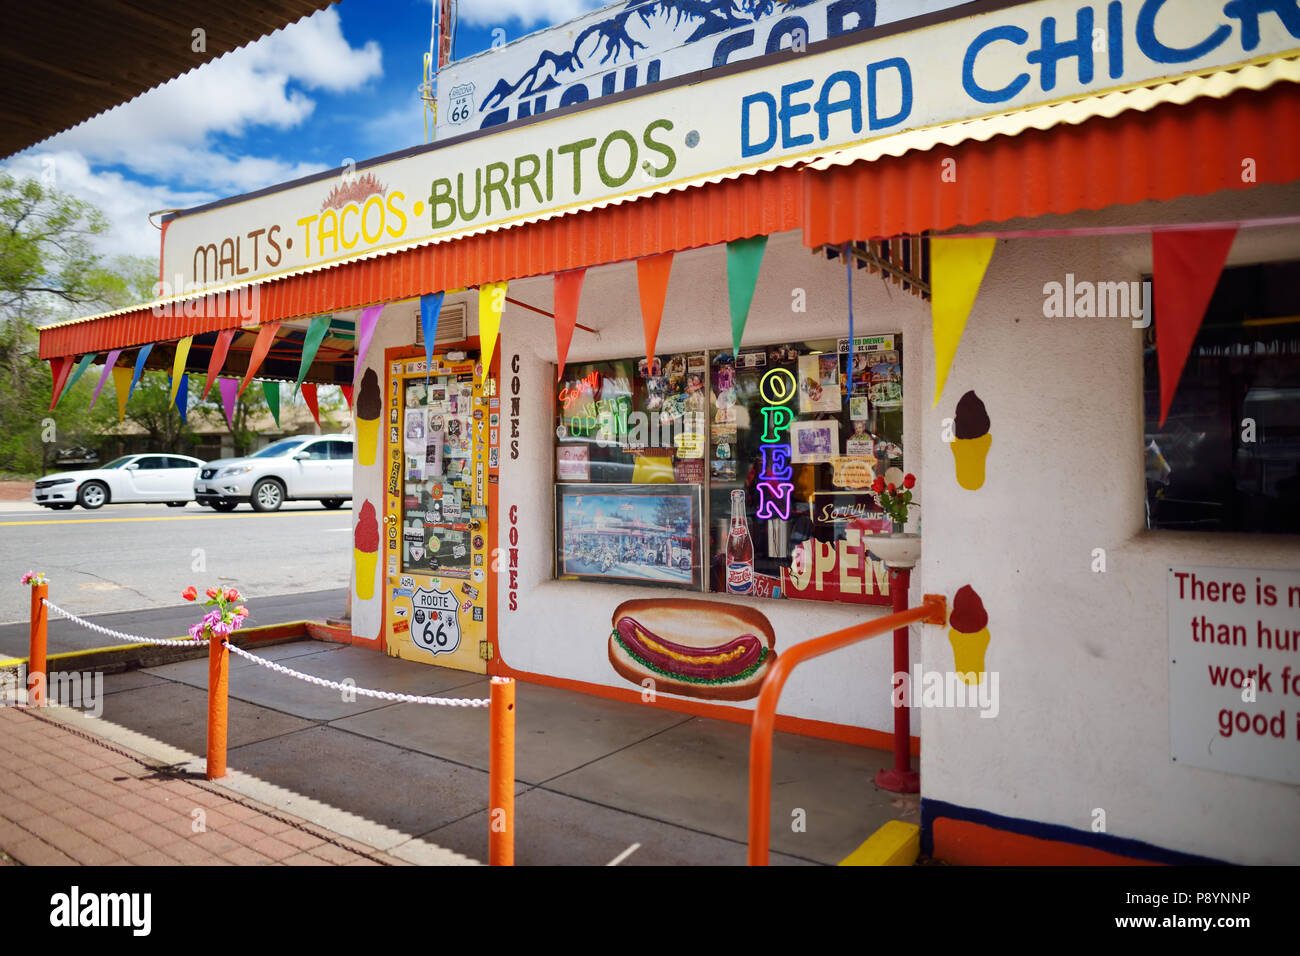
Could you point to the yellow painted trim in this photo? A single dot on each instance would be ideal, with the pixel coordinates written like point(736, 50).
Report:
point(895, 844)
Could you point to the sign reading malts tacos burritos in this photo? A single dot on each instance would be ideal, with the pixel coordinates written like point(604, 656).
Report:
point(802, 106)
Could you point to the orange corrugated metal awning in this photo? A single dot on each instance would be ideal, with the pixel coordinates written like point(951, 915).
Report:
point(1167, 151)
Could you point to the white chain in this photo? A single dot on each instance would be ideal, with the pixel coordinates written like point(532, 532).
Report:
point(349, 688)
point(182, 642)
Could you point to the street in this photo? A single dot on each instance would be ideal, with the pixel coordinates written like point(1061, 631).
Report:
point(140, 557)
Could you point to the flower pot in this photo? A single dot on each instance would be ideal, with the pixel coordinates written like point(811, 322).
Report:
point(896, 550)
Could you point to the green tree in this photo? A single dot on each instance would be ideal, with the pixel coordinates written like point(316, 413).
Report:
point(49, 270)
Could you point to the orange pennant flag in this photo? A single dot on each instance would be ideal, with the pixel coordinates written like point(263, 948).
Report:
point(308, 390)
point(568, 289)
point(218, 358)
point(265, 336)
point(652, 283)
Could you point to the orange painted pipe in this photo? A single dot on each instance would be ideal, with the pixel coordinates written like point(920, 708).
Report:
point(218, 706)
point(501, 774)
point(932, 610)
point(37, 679)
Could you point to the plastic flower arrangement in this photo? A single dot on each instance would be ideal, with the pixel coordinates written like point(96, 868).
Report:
point(34, 578)
point(895, 501)
point(226, 617)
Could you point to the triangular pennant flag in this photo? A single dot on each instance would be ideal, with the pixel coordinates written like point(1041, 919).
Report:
point(109, 362)
point(744, 256)
point(315, 335)
point(139, 367)
point(122, 385)
point(265, 336)
point(181, 390)
point(366, 323)
point(218, 358)
point(347, 394)
point(957, 268)
point(1185, 269)
point(309, 396)
point(568, 289)
point(83, 363)
point(178, 362)
point(652, 284)
point(430, 309)
point(60, 368)
point(491, 303)
point(229, 395)
point(272, 392)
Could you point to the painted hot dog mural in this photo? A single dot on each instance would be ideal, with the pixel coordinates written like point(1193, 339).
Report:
point(702, 649)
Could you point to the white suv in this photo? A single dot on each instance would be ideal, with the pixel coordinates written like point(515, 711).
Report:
point(309, 467)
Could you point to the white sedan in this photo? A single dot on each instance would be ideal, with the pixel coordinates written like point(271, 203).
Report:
point(157, 478)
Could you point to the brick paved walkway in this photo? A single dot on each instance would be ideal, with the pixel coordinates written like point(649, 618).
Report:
point(66, 799)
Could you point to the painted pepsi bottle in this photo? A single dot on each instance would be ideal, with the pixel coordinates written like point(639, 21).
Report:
point(740, 548)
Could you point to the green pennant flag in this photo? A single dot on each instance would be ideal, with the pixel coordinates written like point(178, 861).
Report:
point(743, 259)
point(315, 335)
point(77, 372)
point(272, 392)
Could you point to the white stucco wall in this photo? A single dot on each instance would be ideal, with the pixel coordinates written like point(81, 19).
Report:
point(562, 628)
point(1082, 657)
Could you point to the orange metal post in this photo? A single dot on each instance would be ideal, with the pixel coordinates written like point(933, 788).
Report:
point(501, 774)
point(37, 679)
point(218, 706)
point(932, 610)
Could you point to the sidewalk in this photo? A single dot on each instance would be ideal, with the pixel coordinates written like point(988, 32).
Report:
point(596, 777)
point(67, 799)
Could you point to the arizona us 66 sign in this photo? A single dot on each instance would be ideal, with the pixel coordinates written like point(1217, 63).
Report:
point(435, 625)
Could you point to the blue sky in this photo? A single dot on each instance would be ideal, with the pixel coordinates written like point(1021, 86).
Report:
point(340, 85)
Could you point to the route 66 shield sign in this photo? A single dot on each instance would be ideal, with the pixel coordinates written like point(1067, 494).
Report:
point(435, 624)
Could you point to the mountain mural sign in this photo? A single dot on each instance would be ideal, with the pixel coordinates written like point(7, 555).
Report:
point(792, 110)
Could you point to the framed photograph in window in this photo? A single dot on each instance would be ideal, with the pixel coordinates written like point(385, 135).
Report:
point(634, 534)
point(814, 442)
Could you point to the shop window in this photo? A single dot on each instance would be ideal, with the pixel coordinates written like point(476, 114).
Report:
point(1228, 456)
point(746, 474)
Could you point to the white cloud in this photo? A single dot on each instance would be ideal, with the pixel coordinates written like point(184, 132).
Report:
point(168, 133)
point(490, 13)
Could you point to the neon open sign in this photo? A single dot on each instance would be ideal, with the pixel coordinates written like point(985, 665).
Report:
point(776, 388)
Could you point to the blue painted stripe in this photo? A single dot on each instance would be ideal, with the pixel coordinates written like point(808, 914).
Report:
point(932, 810)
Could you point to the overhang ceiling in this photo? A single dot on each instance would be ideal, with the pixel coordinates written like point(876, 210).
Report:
point(63, 63)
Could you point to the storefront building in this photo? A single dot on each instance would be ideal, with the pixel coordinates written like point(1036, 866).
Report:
point(677, 334)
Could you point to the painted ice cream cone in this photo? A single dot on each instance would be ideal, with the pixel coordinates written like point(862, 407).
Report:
point(370, 406)
point(970, 447)
point(365, 551)
point(969, 634)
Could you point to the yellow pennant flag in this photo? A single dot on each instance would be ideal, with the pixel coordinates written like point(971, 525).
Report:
point(122, 385)
point(491, 303)
point(957, 268)
point(178, 364)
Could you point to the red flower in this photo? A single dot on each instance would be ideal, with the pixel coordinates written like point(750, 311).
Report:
point(909, 481)
point(232, 595)
point(892, 488)
point(190, 593)
point(212, 592)
point(878, 485)
point(242, 610)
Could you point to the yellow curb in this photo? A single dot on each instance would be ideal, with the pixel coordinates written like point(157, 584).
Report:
point(895, 844)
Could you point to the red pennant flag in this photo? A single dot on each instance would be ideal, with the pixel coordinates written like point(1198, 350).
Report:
point(1185, 269)
point(265, 336)
point(308, 390)
point(60, 368)
point(652, 283)
point(347, 394)
point(568, 289)
point(218, 358)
